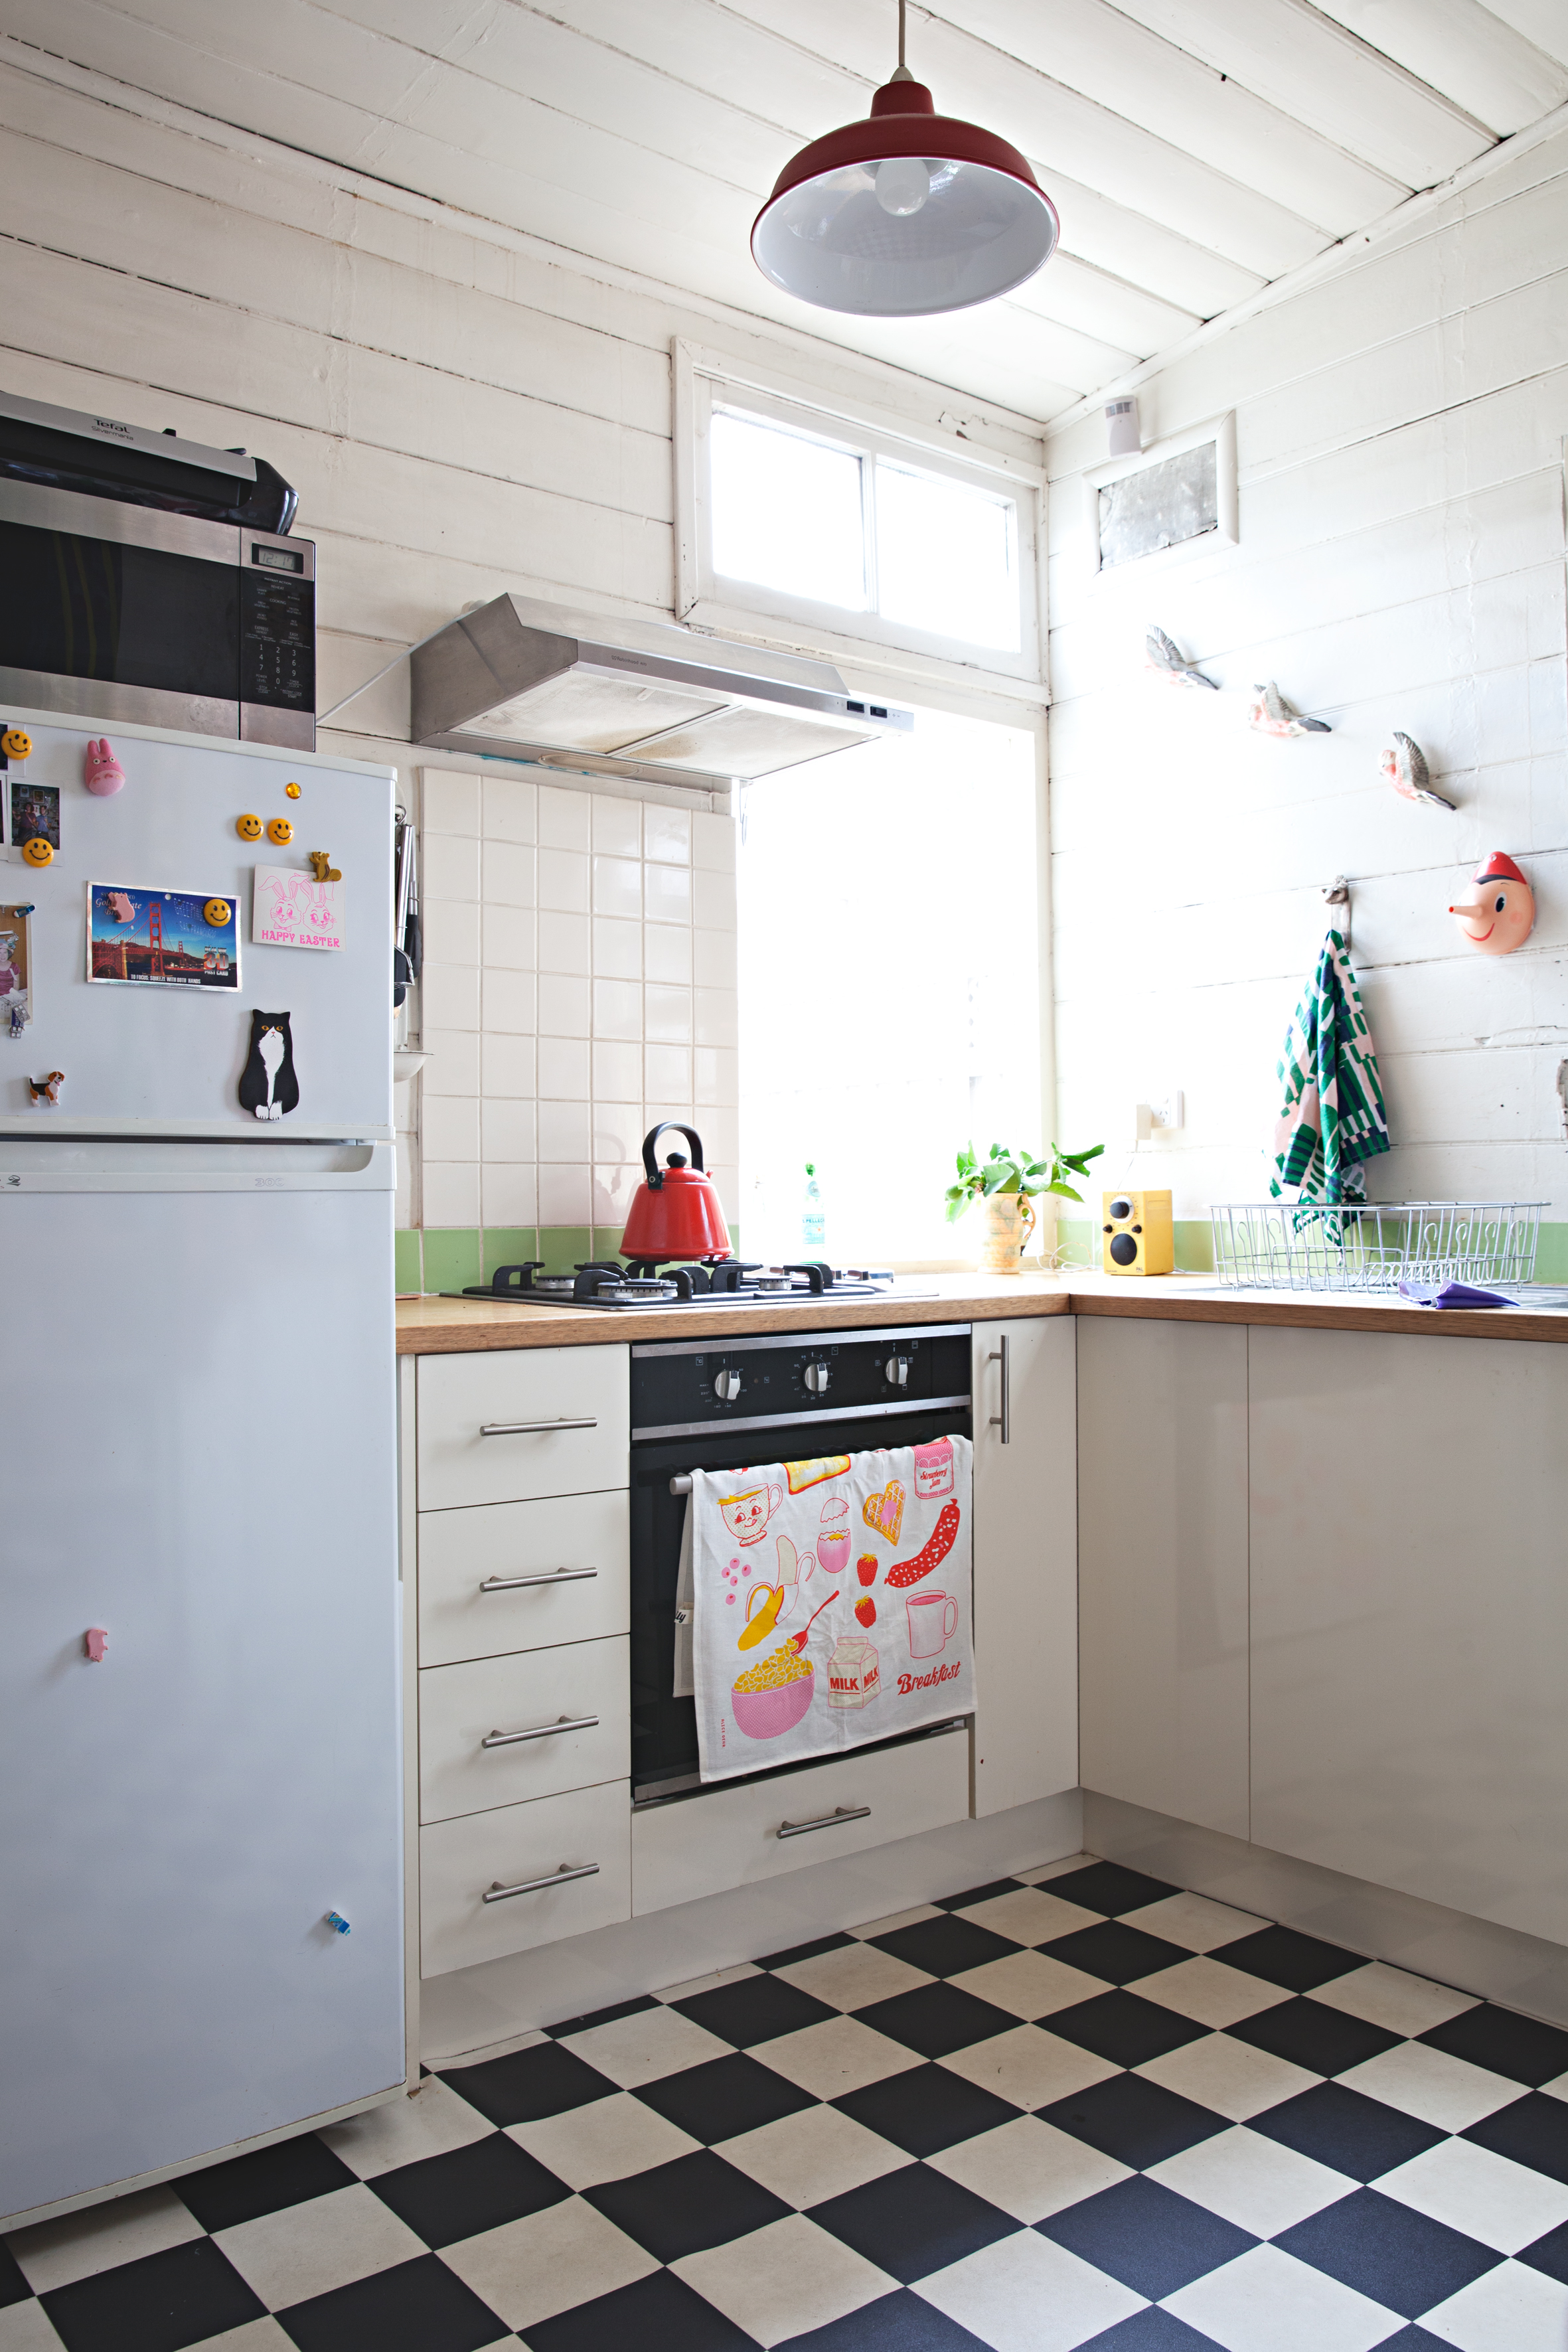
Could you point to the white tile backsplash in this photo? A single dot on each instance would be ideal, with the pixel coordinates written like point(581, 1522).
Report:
point(667, 953)
point(563, 1005)
point(568, 1003)
point(564, 818)
point(617, 886)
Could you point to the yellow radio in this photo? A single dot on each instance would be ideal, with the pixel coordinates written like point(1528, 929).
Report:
point(1138, 1234)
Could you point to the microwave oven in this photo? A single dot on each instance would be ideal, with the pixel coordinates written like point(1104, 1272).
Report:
point(144, 578)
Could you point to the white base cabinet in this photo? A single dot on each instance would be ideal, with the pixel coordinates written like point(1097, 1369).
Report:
point(1410, 1615)
point(1026, 1561)
point(1162, 1604)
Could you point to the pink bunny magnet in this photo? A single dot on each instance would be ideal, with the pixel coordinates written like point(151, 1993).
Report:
point(100, 771)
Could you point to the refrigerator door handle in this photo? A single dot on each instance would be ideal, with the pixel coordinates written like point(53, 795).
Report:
point(531, 1428)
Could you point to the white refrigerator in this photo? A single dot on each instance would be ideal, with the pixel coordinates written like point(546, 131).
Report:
point(201, 1850)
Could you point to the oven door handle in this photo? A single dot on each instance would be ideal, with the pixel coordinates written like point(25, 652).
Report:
point(680, 1485)
point(825, 1821)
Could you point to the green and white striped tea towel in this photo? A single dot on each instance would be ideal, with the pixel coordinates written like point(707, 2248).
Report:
point(1332, 1118)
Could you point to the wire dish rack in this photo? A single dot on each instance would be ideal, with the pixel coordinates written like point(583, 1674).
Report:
point(1304, 1246)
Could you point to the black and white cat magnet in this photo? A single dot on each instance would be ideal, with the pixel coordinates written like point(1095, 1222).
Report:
point(268, 1085)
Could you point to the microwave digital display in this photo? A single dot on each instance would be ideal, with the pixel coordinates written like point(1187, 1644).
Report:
point(278, 559)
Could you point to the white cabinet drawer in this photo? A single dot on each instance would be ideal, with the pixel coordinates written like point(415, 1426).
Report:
point(576, 1546)
point(729, 1836)
point(460, 1860)
point(496, 1698)
point(497, 1428)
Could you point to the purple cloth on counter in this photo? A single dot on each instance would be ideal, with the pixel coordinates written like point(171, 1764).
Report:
point(1450, 1294)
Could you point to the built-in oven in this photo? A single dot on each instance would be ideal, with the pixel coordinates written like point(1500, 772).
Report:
point(723, 1404)
point(149, 579)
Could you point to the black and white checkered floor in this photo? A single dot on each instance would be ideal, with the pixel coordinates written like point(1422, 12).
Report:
point(1077, 2107)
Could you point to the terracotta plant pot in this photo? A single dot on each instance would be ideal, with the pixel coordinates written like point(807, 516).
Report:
point(1008, 1220)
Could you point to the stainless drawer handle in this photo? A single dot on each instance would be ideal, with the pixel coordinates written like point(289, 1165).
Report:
point(545, 1576)
point(532, 1428)
point(825, 1821)
point(1003, 1420)
point(497, 1893)
point(539, 1730)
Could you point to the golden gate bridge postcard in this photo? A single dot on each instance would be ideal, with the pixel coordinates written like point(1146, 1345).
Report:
point(162, 939)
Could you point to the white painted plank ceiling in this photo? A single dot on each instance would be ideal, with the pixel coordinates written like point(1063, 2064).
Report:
point(1197, 149)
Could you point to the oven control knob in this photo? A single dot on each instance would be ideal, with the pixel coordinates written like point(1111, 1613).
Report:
point(726, 1387)
point(816, 1376)
point(896, 1371)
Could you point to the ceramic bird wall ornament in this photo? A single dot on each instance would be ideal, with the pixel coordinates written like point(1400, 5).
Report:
point(1500, 915)
point(1163, 659)
point(1271, 715)
point(1404, 765)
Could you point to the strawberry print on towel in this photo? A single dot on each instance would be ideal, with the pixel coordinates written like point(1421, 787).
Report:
point(792, 1657)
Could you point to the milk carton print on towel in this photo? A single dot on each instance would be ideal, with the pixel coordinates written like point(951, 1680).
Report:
point(831, 1602)
point(268, 1085)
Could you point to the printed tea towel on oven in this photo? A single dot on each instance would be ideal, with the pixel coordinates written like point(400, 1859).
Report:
point(831, 1602)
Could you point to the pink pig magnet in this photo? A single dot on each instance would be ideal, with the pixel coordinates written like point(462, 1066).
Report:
point(100, 771)
point(96, 1642)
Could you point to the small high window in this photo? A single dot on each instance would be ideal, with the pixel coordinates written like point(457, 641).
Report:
point(849, 531)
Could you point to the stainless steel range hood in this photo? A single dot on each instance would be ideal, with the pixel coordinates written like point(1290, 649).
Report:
point(529, 681)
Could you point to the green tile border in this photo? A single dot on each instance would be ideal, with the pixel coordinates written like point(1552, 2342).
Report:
point(447, 1257)
point(1194, 1248)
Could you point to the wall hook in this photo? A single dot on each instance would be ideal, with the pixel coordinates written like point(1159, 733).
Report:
point(1337, 896)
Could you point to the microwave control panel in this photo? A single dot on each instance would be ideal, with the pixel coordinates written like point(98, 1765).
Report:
point(277, 628)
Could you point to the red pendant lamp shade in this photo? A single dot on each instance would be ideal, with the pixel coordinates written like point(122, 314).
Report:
point(906, 214)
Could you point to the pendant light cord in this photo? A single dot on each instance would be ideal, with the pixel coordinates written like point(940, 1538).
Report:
point(901, 71)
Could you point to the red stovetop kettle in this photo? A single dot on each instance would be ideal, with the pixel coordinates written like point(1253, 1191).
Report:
point(676, 1214)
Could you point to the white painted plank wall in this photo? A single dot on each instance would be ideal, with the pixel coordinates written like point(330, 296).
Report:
point(1401, 430)
point(463, 411)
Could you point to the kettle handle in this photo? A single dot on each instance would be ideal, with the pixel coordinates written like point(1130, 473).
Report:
point(655, 1172)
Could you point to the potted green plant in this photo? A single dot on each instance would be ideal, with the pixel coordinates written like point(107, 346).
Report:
point(1006, 1184)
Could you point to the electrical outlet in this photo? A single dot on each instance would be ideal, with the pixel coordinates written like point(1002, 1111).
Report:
point(1162, 1116)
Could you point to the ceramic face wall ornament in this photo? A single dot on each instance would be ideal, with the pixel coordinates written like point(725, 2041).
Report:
point(1270, 714)
point(100, 771)
point(1500, 914)
point(1404, 767)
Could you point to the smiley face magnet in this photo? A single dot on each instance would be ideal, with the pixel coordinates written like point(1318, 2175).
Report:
point(280, 831)
point(247, 827)
point(216, 912)
point(38, 851)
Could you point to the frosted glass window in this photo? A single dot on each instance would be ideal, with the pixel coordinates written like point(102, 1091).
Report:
point(787, 512)
point(889, 987)
point(946, 557)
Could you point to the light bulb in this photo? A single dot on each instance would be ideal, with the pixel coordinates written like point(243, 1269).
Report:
point(903, 183)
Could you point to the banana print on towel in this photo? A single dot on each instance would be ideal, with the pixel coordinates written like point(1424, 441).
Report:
point(830, 1603)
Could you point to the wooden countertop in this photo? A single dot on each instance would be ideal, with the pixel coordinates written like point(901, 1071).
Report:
point(444, 1326)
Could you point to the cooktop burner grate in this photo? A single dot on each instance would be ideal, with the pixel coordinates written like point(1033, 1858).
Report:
point(608, 1283)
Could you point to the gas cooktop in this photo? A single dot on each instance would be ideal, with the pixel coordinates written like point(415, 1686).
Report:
point(732, 1282)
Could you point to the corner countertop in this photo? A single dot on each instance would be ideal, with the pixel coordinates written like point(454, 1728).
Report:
point(445, 1327)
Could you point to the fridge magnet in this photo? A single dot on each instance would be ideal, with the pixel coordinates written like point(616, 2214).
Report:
point(249, 826)
point(288, 909)
point(280, 831)
point(1162, 657)
point(162, 939)
point(1501, 914)
point(268, 1085)
point(48, 1088)
point(15, 967)
point(1404, 767)
point(292, 790)
point(33, 825)
point(325, 871)
point(16, 743)
point(100, 771)
point(1270, 714)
